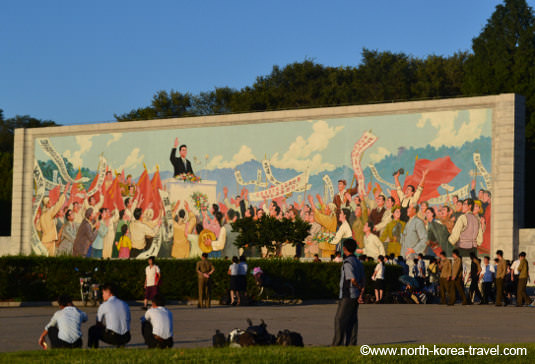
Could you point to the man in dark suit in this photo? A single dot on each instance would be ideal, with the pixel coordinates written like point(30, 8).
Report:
point(181, 164)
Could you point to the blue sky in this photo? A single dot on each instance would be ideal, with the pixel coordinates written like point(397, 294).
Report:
point(80, 62)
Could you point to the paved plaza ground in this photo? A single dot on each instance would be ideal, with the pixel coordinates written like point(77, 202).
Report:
point(378, 324)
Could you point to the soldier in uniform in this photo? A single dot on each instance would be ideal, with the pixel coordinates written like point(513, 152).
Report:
point(522, 297)
point(457, 278)
point(500, 275)
point(445, 277)
point(204, 269)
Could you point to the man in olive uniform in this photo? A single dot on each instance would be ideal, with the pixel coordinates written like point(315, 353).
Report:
point(500, 275)
point(204, 269)
point(457, 278)
point(445, 277)
point(522, 297)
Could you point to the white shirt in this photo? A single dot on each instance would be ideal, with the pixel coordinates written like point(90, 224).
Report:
point(344, 232)
point(219, 244)
point(150, 273)
point(116, 313)
point(379, 271)
point(161, 320)
point(373, 247)
point(138, 232)
point(234, 269)
point(514, 267)
point(68, 321)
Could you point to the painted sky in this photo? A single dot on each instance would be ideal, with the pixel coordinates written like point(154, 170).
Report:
point(323, 145)
point(80, 62)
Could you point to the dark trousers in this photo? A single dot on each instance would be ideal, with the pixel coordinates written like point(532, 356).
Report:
point(459, 287)
point(152, 340)
point(135, 252)
point(346, 322)
point(499, 291)
point(204, 292)
point(521, 294)
point(464, 253)
point(487, 292)
point(443, 290)
point(98, 332)
point(474, 289)
point(57, 343)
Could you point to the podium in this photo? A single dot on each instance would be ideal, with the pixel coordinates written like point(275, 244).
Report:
point(180, 190)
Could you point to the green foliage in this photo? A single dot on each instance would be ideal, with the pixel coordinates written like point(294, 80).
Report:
point(7, 133)
point(270, 232)
point(41, 278)
point(504, 57)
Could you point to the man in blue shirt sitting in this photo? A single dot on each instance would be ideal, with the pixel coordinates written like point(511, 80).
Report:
point(352, 283)
point(63, 330)
point(113, 321)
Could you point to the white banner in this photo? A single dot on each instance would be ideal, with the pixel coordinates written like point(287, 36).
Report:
point(101, 174)
point(295, 184)
point(257, 182)
point(49, 149)
point(329, 186)
point(482, 170)
point(442, 199)
point(269, 175)
point(379, 178)
point(37, 247)
point(366, 140)
point(168, 214)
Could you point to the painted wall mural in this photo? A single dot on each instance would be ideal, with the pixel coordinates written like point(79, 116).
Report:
point(173, 193)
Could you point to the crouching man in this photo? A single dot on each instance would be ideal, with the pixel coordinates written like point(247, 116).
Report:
point(113, 321)
point(157, 325)
point(63, 330)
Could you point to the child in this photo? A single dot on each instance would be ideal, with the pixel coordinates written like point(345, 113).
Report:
point(124, 244)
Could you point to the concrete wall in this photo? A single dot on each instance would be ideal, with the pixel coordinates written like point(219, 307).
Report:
point(507, 154)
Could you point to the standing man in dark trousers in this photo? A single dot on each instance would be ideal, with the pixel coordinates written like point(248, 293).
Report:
point(204, 270)
point(501, 270)
point(113, 321)
point(522, 297)
point(457, 278)
point(352, 283)
point(445, 278)
point(475, 272)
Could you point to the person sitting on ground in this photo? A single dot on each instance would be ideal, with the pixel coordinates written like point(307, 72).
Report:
point(157, 325)
point(64, 330)
point(113, 321)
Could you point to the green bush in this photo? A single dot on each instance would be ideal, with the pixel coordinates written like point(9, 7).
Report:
point(40, 278)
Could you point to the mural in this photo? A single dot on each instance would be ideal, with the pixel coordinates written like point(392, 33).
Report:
point(420, 183)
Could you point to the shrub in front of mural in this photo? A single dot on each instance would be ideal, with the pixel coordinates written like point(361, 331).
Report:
point(270, 233)
point(40, 278)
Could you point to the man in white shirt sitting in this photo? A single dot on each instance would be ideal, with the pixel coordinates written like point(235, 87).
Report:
point(63, 330)
point(157, 325)
point(113, 321)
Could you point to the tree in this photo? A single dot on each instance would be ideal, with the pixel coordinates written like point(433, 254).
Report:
point(7, 133)
point(504, 57)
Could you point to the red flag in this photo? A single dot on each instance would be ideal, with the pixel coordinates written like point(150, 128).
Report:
point(156, 186)
point(441, 170)
point(93, 184)
point(113, 197)
point(145, 189)
point(53, 194)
